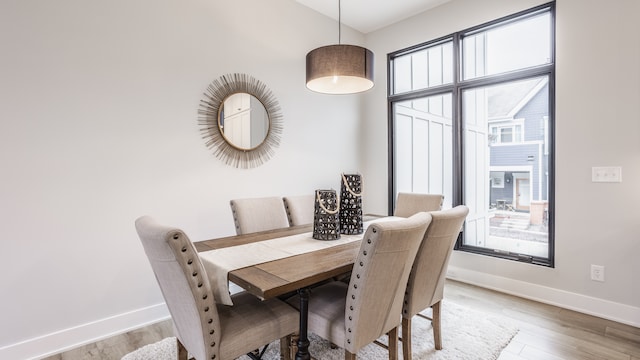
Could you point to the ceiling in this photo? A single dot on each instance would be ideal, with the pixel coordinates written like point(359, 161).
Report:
point(370, 15)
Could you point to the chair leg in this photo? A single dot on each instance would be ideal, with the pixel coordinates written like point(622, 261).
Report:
point(437, 337)
point(349, 356)
point(293, 345)
point(285, 348)
point(393, 343)
point(182, 351)
point(406, 339)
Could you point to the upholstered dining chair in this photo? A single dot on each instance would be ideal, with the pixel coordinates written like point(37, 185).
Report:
point(426, 281)
point(408, 204)
point(300, 209)
point(204, 329)
point(356, 314)
point(258, 214)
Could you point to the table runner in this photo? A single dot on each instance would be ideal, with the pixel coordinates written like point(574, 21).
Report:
point(219, 262)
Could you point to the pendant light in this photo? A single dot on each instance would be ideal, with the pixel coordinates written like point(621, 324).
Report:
point(340, 69)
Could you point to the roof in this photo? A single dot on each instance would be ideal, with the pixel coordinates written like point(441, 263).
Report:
point(505, 100)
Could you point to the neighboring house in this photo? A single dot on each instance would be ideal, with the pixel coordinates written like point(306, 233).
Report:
point(518, 122)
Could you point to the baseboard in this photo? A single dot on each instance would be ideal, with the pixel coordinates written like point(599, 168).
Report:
point(67, 339)
point(605, 309)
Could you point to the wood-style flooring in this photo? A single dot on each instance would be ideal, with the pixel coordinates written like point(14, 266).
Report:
point(546, 332)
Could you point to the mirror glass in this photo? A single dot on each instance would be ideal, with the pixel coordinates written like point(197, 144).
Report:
point(243, 121)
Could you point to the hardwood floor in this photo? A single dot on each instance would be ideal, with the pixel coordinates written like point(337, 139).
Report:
point(549, 332)
point(116, 347)
point(546, 332)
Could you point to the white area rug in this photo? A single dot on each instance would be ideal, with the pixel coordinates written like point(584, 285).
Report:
point(466, 335)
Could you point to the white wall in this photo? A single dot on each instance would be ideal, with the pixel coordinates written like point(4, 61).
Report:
point(98, 126)
point(597, 124)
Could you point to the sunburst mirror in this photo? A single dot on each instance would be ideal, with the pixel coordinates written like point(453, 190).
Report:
point(240, 120)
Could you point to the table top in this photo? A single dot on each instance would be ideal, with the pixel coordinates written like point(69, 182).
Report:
point(274, 278)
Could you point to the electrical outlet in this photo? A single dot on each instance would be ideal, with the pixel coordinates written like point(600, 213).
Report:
point(611, 174)
point(597, 273)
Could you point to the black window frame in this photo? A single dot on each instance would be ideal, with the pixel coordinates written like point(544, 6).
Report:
point(456, 89)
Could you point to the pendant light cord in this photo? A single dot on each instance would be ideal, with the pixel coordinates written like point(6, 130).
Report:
point(339, 23)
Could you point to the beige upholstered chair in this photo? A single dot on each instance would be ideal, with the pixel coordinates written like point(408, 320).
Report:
point(408, 204)
point(356, 314)
point(258, 214)
point(207, 330)
point(426, 282)
point(300, 209)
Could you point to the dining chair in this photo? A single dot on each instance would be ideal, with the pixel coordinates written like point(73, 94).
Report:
point(426, 281)
point(408, 204)
point(203, 328)
point(258, 214)
point(354, 315)
point(300, 209)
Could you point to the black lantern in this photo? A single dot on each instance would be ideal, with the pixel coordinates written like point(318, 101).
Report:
point(326, 223)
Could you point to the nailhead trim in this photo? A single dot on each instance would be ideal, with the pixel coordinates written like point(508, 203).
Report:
point(355, 283)
point(186, 258)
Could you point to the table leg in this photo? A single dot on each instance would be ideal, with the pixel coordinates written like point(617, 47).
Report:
point(303, 341)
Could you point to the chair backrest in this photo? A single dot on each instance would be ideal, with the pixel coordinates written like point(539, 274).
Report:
point(184, 285)
point(378, 278)
point(408, 204)
point(300, 209)
point(426, 282)
point(258, 214)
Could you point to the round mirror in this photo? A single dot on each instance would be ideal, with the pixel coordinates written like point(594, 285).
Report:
point(240, 120)
point(243, 121)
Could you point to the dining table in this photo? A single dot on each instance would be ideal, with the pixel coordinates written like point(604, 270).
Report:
point(287, 274)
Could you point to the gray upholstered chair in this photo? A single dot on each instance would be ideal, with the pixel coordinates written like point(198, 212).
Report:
point(258, 214)
point(203, 328)
point(356, 314)
point(300, 209)
point(408, 204)
point(426, 282)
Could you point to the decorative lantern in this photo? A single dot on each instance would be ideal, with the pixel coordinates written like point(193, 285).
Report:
point(326, 222)
point(351, 204)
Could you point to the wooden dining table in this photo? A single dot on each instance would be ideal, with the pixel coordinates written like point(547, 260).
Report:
point(288, 275)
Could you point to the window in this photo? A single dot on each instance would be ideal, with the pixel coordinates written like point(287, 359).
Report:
point(506, 132)
point(481, 135)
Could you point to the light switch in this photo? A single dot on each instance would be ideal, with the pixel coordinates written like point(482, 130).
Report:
point(610, 174)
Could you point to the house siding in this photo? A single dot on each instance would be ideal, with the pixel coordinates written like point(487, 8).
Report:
point(527, 154)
